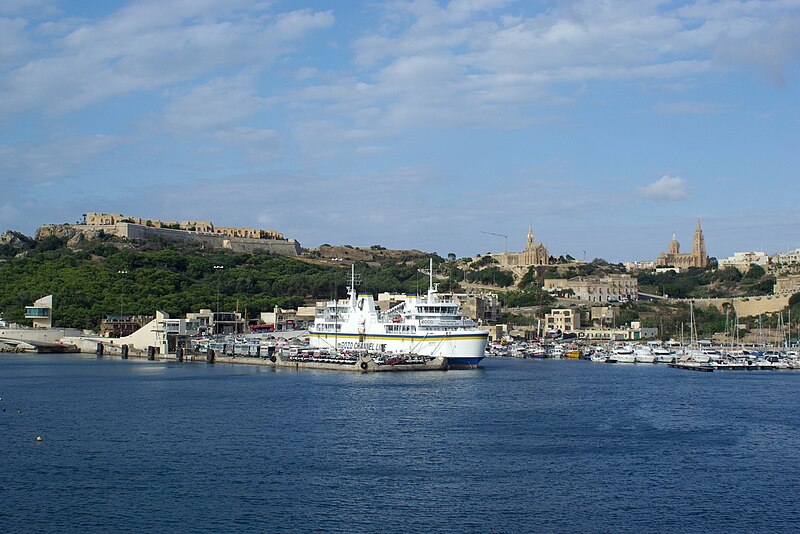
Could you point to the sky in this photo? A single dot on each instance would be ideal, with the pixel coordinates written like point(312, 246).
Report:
point(443, 126)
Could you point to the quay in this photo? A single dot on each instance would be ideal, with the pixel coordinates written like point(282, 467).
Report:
point(361, 363)
point(691, 366)
point(39, 347)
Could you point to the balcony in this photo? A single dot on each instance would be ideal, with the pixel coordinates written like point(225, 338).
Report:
point(34, 312)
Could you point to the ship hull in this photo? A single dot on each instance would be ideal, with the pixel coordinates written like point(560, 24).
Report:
point(462, 350)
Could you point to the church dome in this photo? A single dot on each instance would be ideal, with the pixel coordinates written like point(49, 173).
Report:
point(674, 246)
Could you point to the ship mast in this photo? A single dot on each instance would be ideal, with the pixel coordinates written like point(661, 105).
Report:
point(431, 289)
point(352, 289)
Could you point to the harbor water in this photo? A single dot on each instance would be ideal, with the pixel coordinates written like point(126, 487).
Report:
point(518, 445)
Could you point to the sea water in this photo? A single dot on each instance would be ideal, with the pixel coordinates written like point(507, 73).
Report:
point(516, 446)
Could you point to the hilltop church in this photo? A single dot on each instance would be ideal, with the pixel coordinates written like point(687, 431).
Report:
point(535, 254)
point(696, 258)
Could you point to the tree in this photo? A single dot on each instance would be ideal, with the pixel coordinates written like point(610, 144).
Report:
point(50, 242)
point(755, 272)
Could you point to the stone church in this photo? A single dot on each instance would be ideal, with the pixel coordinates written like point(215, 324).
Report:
point(535, 254)
point(696, 258)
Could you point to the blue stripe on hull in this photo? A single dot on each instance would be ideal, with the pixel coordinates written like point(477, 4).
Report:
point(463, 363)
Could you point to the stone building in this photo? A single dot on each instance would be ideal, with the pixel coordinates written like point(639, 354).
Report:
point(787, 285)
point(535, 254)
point(564, 320)
point(696, 258)
point(611, 288)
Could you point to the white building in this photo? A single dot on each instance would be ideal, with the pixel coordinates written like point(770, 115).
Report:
point(623, 333)
point(743, 260)
point(643, 265)
point(787, 258)
point(164, 334)
point(41, 313)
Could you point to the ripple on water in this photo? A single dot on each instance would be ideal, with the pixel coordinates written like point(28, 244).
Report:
point(515, 446)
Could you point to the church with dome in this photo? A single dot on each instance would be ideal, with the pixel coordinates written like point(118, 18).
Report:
point(696, 258)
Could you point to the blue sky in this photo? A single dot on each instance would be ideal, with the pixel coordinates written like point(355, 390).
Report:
point(608, 125)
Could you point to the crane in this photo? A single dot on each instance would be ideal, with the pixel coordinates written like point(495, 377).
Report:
point(498, 235)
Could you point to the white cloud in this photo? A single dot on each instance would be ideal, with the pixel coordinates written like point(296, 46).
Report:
point(216, 104)
point(666, 188)
point(148, 46)
point(479, 64)
point(14, 42)
point(771, 47)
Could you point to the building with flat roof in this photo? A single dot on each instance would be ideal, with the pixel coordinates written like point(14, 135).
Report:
point(743, 261)
point(620, 333)
point(563, 320)
point(41, 312)
point(610, 288)
point(789, 284)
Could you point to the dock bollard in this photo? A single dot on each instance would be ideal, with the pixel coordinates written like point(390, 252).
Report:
point(210, 356)
point(124, 352)
point(151, 353)
point(99, 350)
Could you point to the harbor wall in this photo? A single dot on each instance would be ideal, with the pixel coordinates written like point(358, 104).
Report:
point(747, 306)
point(39, 335)
point(146, 336)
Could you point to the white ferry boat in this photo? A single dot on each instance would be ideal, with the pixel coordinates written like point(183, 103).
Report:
point(425, 326)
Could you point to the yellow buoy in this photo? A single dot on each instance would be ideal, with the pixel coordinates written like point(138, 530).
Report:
point(38, 438)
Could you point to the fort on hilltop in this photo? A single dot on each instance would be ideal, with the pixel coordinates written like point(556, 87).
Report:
point(124, 226)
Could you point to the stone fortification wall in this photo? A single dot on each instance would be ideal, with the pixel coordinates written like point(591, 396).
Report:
point(288, 247)
point(748, 306)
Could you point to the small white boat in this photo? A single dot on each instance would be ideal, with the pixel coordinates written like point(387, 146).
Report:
point(622, 354)
point(643, 354)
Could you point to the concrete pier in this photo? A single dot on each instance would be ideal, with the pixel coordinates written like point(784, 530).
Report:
point(361, 365)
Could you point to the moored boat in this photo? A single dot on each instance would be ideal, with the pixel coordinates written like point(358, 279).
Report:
point(427, 326)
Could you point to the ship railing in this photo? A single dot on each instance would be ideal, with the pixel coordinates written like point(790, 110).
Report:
point(447, 322)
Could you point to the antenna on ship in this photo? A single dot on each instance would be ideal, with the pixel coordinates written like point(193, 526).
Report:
point(430, 273)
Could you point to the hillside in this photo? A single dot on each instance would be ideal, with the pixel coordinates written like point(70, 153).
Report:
point(93, 278)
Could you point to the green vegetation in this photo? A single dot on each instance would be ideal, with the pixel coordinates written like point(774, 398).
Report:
point(530, 296)
point(108, 275)
point(707, 283)
point(87, 285)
